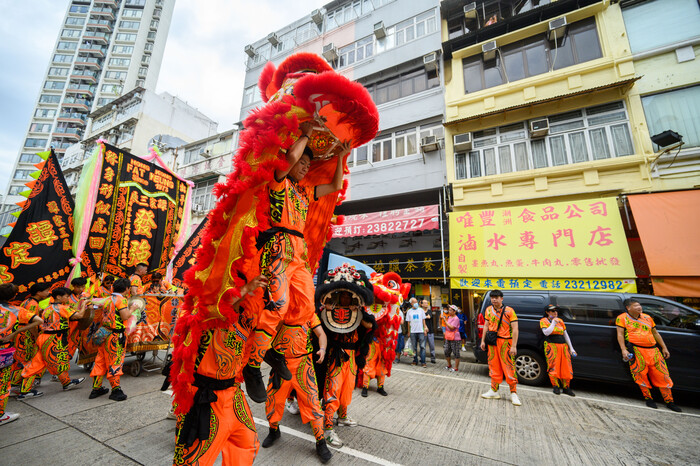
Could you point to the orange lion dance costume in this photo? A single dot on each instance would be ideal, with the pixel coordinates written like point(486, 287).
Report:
point(211, 340)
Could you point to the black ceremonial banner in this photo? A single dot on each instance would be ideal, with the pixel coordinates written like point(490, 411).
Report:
point(186, 257)
point(40, 244)
point(138, 214)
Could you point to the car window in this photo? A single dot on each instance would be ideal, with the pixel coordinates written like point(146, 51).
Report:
point(525, 305)
point(668, 314)
point(589, 308)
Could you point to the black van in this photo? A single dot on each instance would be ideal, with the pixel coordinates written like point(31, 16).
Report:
point(590, 322)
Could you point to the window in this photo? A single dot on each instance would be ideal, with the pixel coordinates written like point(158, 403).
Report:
point(34, 142)
point(593, 133)
point(128, 25)
point(357, 51)
point(54, 85)
point(126, 134)
point(203, 197)
point(123, 49)
point(678, 21)
point(284, 42)
point(306, 32)
point(251, 95)
point(104, 101)
point(416, 27)
point(389, 146)
point(533, 56)
point(145, 59)
point(154, 24)
point(487, 13)
point(601, 310)
point(40, 128)
point(115, 75)
point(193, 154)
point(15, 190)
point(22, 174)
point(30, 158)
point(119, 61)
point(70, 33)
point(136, 3)
point(132, 13)
point(71, 21)
point(678, 110)
point(59, 58)
point(67, 45)
point(143, 71)
point(49, 99)
point(79, 9)
point(125, 37)
point(668, 314)
point(58, 71)
point(45, 113)
point(403, 85)
point(111, 89)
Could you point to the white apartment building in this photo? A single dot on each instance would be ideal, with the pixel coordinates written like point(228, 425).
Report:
point(104, 49)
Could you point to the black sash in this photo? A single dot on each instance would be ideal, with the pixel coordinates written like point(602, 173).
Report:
point(195, 426)
point(266, 235)
point(555, 339)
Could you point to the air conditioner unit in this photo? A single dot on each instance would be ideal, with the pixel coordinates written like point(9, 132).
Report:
point(489, 50)
point(197, 207)
point(470, 10)
point(272, 39)
point(330, 53)
point(249, 50)
point(539, 128)
point(462, 142)
point(317, 17)
point(430, 60)
point(379, 30)
point(429, 144)
point(557, 28)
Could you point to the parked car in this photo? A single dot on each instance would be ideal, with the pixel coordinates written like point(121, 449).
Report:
point(590, 322)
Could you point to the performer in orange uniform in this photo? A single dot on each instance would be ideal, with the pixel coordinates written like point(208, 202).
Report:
point(25, 345)
point(110, 354)
point(501, 319)
point(136, 281)
point(220, 420)
point(558, 350)
point(283, 260)
point(374, 369)
point(638, 340)
point(53, 343)
point(77, 293)
point(105, 288)
point(298, 356)
point(14, 321)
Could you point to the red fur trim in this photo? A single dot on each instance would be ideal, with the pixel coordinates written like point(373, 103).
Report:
point(302, 61)
point(265, 80)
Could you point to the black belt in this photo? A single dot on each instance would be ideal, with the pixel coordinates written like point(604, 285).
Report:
point(640, 346)
point(55, 332)
point(266, 235)
point(505, 338)
point(555, 339)
point(195, 426)
point(121, 330)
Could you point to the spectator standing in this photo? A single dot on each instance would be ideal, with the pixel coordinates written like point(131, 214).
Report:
point(416, 318)
point(462, 329)
point(452, 338)
point(430, 336)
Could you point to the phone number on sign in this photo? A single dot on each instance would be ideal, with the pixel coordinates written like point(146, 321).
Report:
point(399, 225)
point(592, 284)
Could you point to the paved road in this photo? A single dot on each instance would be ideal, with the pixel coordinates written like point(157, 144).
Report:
point(431, 416)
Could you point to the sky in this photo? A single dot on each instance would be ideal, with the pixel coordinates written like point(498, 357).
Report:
point(203, 64)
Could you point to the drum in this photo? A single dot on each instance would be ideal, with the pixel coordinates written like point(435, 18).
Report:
point(7, 357)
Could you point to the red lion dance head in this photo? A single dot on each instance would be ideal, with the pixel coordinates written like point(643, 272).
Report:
point(389, 294)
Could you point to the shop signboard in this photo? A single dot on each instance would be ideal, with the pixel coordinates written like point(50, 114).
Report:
point(388, 222)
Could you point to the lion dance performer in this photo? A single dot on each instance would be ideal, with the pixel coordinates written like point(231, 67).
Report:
point(389, 294)
point(256, 228)
point(342, 297)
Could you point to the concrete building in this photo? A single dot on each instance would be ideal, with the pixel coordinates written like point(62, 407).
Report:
point(135, 122)
point(392, 48)
point(105, 48)
point(546, 111)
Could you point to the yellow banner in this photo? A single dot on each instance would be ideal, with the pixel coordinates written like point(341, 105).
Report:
point(572, 239)
point(626, 285)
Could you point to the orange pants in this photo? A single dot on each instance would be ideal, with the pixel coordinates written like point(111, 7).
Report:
point(289, 297)
point(232, 434)
point(25, 350)
point(5, 379)
point(375, 366)
point(502, 365)
point(649, 365)
point(52, 355)
point(73, 338)
point(304, 383)
point(340, 382)
point(109, 362)
point(558, 364)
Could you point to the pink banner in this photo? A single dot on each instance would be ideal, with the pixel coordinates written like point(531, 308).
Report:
point(390, 221)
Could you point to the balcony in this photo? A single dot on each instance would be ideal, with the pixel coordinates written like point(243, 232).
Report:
point(95, 50)
point(110, 3)
point(94, 36)
point(73, 117)
point(87, 89)
point(79, 104)
point(91, 62)
point(74, 134)
point(84, 75)
point(102, 12)
point(101, 24)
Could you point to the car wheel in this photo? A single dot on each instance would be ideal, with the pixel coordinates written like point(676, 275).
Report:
point(530, 368)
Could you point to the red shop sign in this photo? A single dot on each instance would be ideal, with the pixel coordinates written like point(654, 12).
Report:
point(390, 221)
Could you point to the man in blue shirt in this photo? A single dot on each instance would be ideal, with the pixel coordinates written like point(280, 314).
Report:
point(415, 316)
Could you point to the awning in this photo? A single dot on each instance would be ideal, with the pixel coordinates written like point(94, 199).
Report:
point(622, 83)
point(669, 226)
point(389, 221)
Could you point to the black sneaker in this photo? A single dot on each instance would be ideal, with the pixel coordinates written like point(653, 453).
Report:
point(117, 394)
point(33, 393)
point(74, 383)
point(364, 392)
point(569, 391)
point(650, 403)
point(324, 454)
point(556, 390)
point(673, 407)
point(98, 392)
point(381, 391)
point(254, 385)
point(271, 437)
point(278, 363)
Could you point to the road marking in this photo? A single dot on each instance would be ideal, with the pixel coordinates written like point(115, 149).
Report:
point(539, 390)
point(347, 450)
